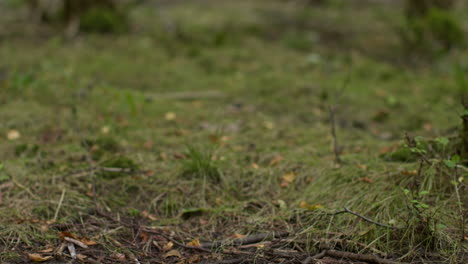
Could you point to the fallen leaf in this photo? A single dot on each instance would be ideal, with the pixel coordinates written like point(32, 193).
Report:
point(47, 250)
point(88, 242)
point(287, 179)
point(194, 259)
point(388, 149)
point(194, 243)
point(13, 134)
point(277, 159)
point(148, 144)
point(81, 257)
point(105, 129)
point(366, 179)
point(237, 236)
point(255, 166)
point(179, 156)
point(64, 234)
point(173, 253)
point(169, 116)
point(307, 206)
point(38, 257)
point(118, 256)
point(268, 125)
point(149, 216)
point(168, 246)
point(362, 166)
point(144, 237)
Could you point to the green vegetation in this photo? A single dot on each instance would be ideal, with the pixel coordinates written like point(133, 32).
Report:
point(218, 117)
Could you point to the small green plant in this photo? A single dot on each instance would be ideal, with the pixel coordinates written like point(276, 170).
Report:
point(200, 164)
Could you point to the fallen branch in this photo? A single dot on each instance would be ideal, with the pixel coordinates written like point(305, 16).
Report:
point(245, 240)
point(368, 219)
point(189, 95)
point(309, 260)
point(358, 257)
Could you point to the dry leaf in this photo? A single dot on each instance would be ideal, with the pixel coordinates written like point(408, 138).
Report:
point(168, 246)
point(118, 256)
point(38, 257)
point(388, 149)
point(194, 243)
point(362, 166)
point(169, 116)
point(366, 179)
point(149, 216)
point(105, 129)
point(13, 134)
point(277, 159)
point(88, 242)
point(287, 179)
point(255, 166)
point(307, 206)
point(47, 250)
point(148, 144)
point(173, 253)
point(144, 237)
point(237, 236)
point(194, 259)
point(268, 125)
point(81, 257)
point(65, 234)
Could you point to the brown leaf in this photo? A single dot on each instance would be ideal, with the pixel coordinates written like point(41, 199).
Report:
point(173, 253)
point(47, 250)
point(81, 257)
point(362, 166)
point(148, 144)
point(287, 179)
point(144, 237)
point(237, 236)
point(179, 156)
point(118, 256)
point(64, 234)
point(255, 166)
point(149, 216)
point(38, 257)
point(194, 259)
point(88, 242)
point(194, 243)
point(168, 246)
point(277, 159)
point(366, 179)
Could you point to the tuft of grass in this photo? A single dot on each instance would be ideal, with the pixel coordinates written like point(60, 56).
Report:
point(200, 164)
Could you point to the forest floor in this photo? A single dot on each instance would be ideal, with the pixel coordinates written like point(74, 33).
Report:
point(241, 132)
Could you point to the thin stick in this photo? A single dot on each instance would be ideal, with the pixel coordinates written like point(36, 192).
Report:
point(246, 240)
point(312, 258)
point(336, 148)
point(368, 219)
point(59, 205)
point(359, 257)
